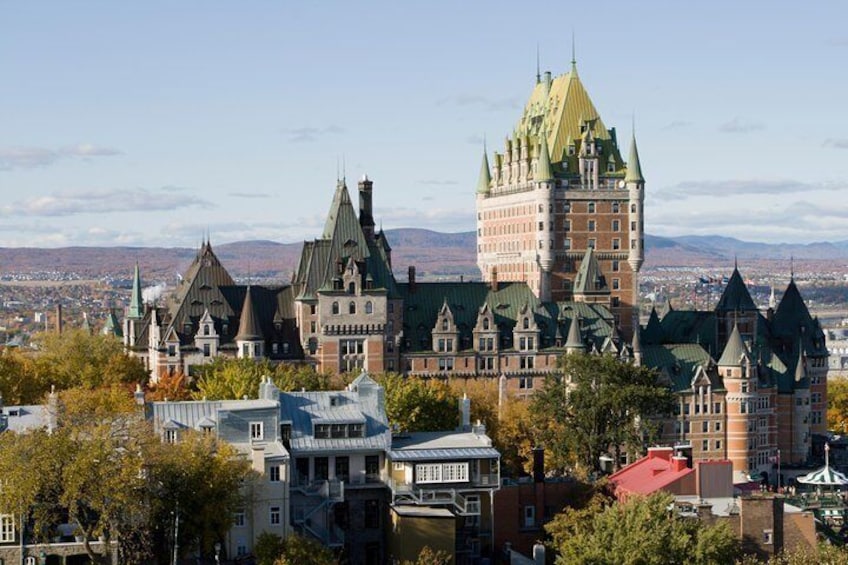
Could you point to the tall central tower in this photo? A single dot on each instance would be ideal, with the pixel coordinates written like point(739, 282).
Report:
point(560, 188)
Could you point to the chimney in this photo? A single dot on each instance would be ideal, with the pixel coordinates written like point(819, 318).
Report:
point(465, 413)
point(412, 285)
point(538, 554)
point(60, 324)
point(138, 395)
point(678, 463)
point(52, 410)
point(538, 464)
point(366, 215)
point(493, 279)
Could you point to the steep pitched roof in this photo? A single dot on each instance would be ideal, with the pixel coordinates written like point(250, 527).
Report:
point(136, 309)
point(590, 279)
point(736, 296)
point(543, 166)
point(249, 329)
point(560, 109)
point(678, 361)
point(653, 333)
point(575, 339)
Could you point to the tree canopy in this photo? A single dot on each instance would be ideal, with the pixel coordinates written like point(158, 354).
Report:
point(641, 531)
point(419, 405)
point(228, 379)
point(837, 404)
point(600, 405)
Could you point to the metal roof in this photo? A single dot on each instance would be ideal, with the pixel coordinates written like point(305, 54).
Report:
point(443, 454)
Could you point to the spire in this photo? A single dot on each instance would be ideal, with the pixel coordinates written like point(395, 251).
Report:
point(634, 167)
point(485, 178)
point(248, 324)
point(590, 279)
point(573, 54)
point(136, 310)
point(636, 344)
point(538, 66)
point(543, 166)
point(574, 340)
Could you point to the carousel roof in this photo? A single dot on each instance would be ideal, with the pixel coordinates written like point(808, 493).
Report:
point(824, 476)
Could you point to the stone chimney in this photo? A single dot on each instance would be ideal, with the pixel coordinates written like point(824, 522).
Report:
point(538, 464)
point(60, 323)
point(411, 277)
point(366, 214)
point(138, 395)
point(493, 279)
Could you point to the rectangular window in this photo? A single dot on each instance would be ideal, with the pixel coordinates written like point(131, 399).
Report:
point(170, 436)
point(238, 519)
point(322, 431)
point(705, 426)
point(256, 431)
point(355, 430)
point(372, 468)
point(566, 244)
point(274, 474)
point(705, 446)
point(441, 473)
point(616, 243)
point(718, 426)
point(529, 516)
point(718, 444)
point(616, 225)
point(207, 351)
point(591, 225)
point(616, 284)
point(591, 243)
point(275, 516)
point(717, 408)
point(372, 514)
point(7, 528)
point(342, 468)
point(322, 468)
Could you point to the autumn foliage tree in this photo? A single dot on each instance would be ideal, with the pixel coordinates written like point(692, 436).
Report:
point(419, 405)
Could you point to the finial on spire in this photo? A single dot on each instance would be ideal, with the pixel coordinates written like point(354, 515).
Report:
point(735, 262)
point(338, 169)
point(344, 172)
point(573, 51)
point(538, 66)
point(791, 267)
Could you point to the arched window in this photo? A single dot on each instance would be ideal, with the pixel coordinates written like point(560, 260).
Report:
point(335, 307)
point(369, 308)
point(351, 308)
point(445, 325)
point(526, 323)
point(615, 207)
point(633, 208)
point(205, 329)
point(351, 288)
point(485, 323)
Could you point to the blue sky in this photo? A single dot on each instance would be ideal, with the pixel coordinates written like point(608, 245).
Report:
point(149, 123)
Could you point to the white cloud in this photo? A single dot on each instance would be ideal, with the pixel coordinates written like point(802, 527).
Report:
point(838, 143)
point(102, 201)
point(308, 134)
point(38, 157)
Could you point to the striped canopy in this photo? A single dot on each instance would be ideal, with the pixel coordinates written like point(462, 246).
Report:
point(824, 477)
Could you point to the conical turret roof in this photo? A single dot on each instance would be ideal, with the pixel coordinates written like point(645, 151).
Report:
point(590, 279)
point(485, 179)
point(735, 352)
point(543, 166)
point(574, 340)
point(249, 329)
point(634, 167)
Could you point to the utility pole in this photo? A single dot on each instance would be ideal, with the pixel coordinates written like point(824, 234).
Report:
point(176, 535)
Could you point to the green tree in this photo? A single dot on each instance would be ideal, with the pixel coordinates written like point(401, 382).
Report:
point(418, 405)
point(641, 531)
point(76, 358)
point(289, 377)
point(602, 404)
point(515, 436)
point(230, 379)
point(19, 382)
point(837, 404)
point(268, 548)
point(428, 556)
point(300, 550)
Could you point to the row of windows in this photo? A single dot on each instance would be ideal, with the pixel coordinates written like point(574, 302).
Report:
point(441, 473)
point(351, 308)
point(335, 431)
point(615, 207)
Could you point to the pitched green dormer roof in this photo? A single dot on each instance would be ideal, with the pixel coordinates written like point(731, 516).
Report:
point(735, 352)
point(136, 310)
point(634, 167)
point(590, 279)
point(543, 166)
point(653, 334)
point(485, 179)
point(736, 297)
point(575, 339)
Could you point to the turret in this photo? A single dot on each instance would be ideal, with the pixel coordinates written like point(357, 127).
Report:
point(366, 213)
point(635, 184)
point(485, 180)
point(249, 338)
point(136, 309)
point(574, 343)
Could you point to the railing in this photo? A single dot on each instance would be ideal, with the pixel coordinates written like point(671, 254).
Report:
point(329, 489)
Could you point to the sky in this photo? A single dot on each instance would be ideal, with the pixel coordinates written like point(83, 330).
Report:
point(151, 123)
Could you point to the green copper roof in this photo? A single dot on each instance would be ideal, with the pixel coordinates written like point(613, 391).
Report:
point(136, 310)
point(543, 166)
point(735, 353)
point(678, 361)
point(634, 167)
point(736, 297)
point(589, 279)
point(485, 177)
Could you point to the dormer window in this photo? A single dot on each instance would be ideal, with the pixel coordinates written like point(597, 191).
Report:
point(335, 308)
point(205, 329)
point(444, 325)
point(526, 323)
point(351, 288)
point(485, 323)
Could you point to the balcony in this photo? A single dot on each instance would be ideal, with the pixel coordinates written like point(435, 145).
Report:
point(332, 490)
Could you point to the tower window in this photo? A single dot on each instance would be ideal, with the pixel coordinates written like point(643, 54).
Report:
point(590, 208)
point(335, 307)
point(369, 308)
point(351, 308)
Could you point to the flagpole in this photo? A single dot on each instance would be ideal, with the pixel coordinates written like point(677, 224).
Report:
point(778, 470)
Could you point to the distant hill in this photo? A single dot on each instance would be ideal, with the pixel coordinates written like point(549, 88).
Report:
point(434, 254)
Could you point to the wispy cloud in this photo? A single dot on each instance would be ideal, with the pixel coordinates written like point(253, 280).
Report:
point(738, 187)
point(307, 134)
point(102, 201)
point(250, 194)
point(741, 125)
point(485, 102)
point(38, 157)
point(676, 125)
point(837, 142)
